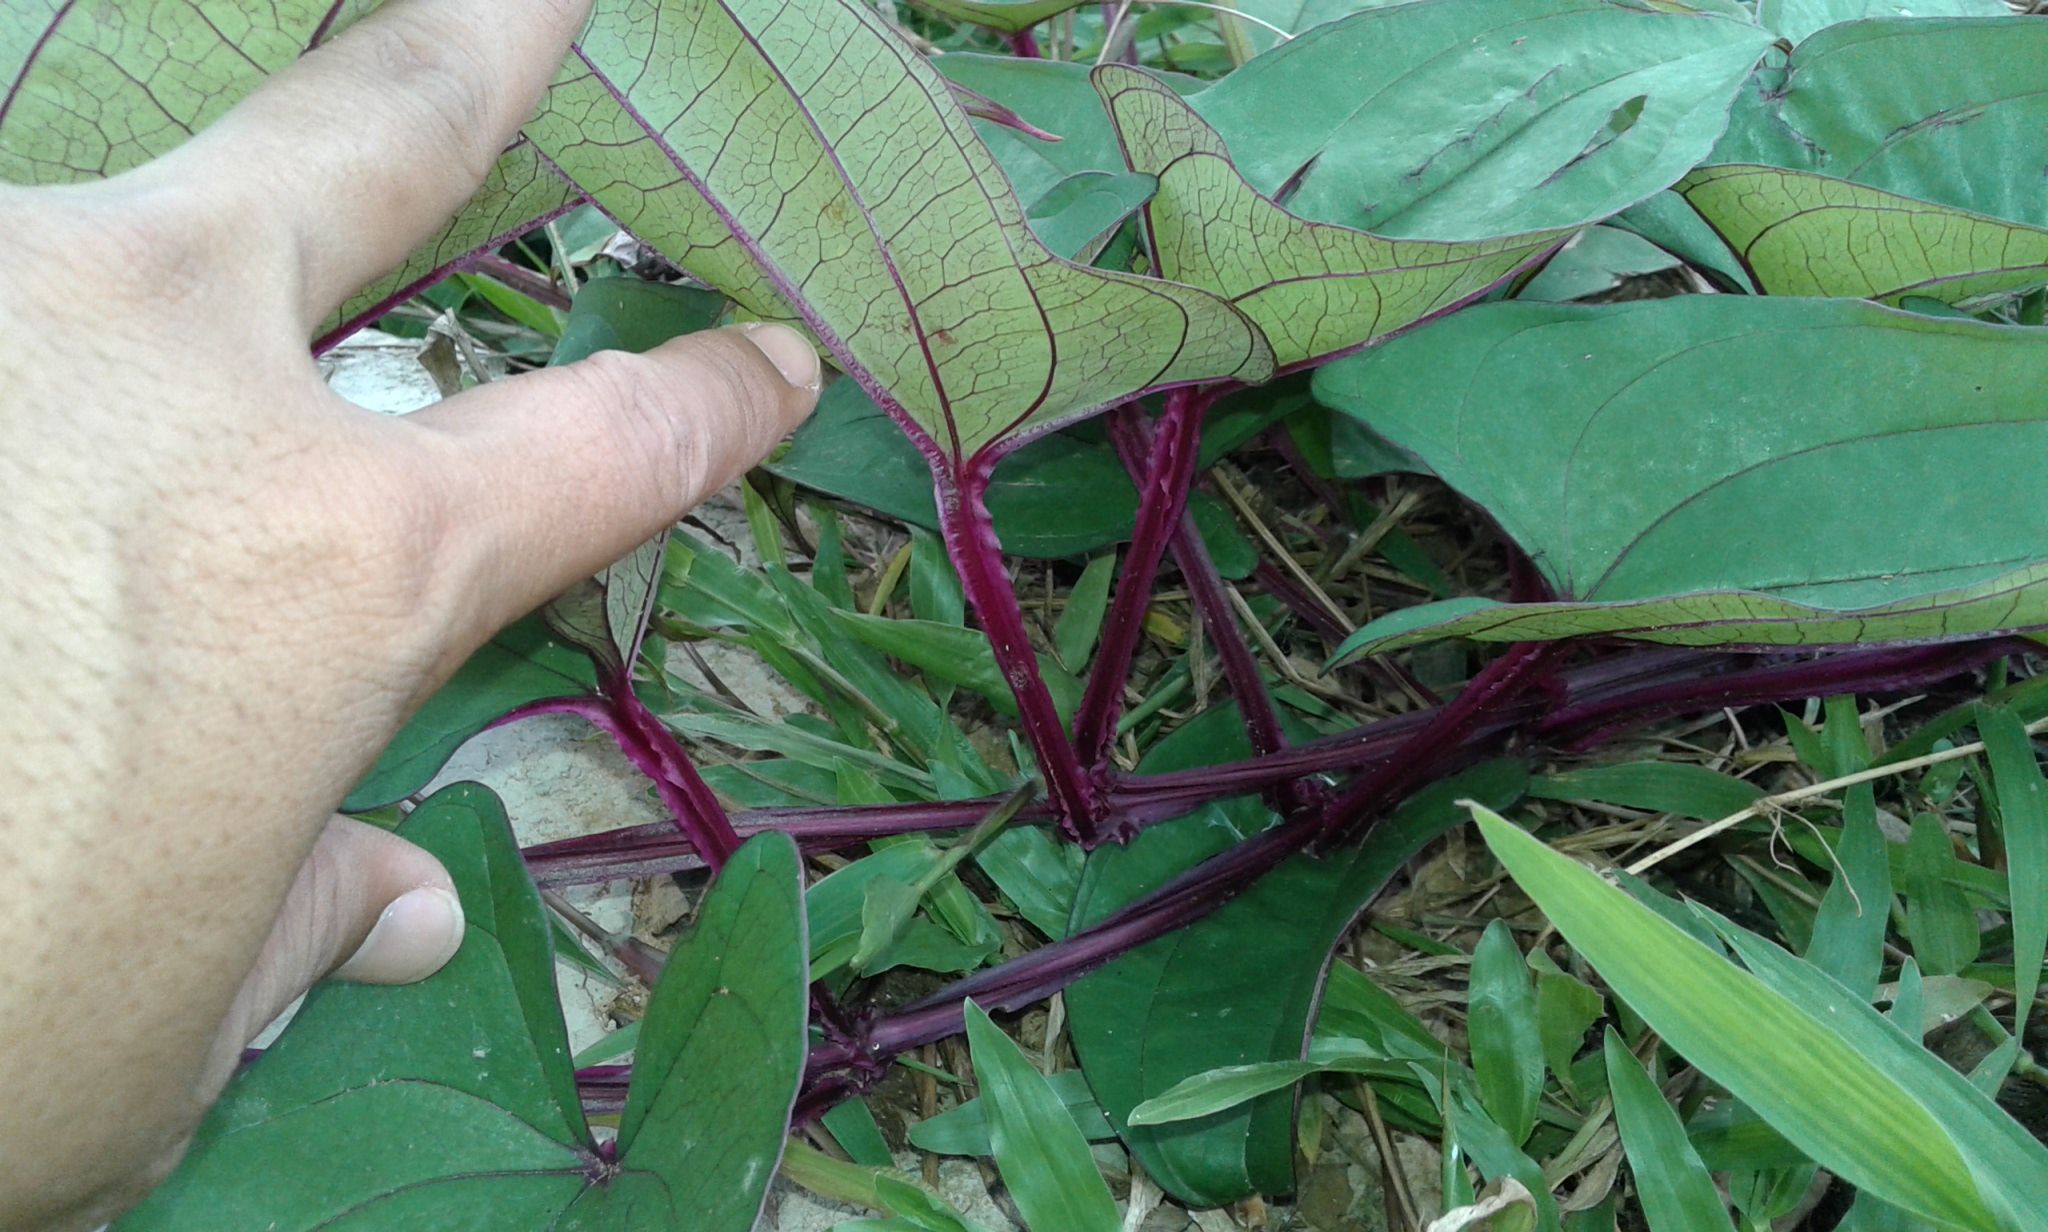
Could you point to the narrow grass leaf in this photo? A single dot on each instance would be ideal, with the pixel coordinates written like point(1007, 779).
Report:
point(1676, 1190)
point(1830, 1095)
point(1939, 922)
point(2023, 811)
point(1041, 1154)
point(1080, 622)
point(1504, 1034)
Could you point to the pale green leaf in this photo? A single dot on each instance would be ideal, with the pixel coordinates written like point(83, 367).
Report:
point(1845, 1105)
point(864, 202)
point(1804, 234)
point(1315, 289)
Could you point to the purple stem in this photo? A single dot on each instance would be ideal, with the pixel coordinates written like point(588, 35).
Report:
point(1588, 723)
point(970, 538)
point(1585, 704)
point(653, 849)
point(1162, 497)
point(1492, 689)
point(1024, 45)
point(655, 752)
point(1040, 973)
point(533, 286)
point(1304, 606)
point(1131, 435)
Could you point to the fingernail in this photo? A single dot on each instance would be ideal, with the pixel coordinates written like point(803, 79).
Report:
point(789, 351)
point(416, 935)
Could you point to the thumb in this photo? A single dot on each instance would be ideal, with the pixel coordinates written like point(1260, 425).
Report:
point(553, 475)
point(366, 905)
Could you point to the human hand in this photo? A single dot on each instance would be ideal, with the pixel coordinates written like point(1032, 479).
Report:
point(227, 588)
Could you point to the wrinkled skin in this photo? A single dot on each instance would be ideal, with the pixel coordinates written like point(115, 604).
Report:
point(226, 588)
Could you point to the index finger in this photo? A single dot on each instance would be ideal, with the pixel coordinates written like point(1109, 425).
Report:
point(368, 144)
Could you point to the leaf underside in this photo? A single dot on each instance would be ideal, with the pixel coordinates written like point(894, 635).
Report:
point(1804, 234)
point(1315, 289)
point(1678, 476)
point(91, 90)
point(809, 158)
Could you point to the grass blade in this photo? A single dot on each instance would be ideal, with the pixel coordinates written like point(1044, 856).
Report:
point(1038, 1149)
point(1676, 1190)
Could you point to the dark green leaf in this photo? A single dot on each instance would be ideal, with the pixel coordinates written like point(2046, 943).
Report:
point(1465, 119)
point(1799, 19)
point(524, 664)
point(376, 1093)
point(1937, 109)
point(1659, 503)
point(721, 1050)
point(1151, 1019)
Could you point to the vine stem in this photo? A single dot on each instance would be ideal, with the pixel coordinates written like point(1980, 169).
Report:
point(970, 537)
point(1133, 439)
point(1582, 705)
point(1492, 689)
point(654, 751)
point(1169, 472)
point(1024, 45)
point(1038, 974)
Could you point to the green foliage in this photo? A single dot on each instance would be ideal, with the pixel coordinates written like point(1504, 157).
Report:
point(1228, 195)
point(1660, 496)
point(1848, 1088)
point(452, 1101)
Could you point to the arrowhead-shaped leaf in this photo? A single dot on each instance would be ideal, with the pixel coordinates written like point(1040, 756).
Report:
point(1315, 289)
point(817, 148)
point(1466, 119)
point(1678, 475)
point(92, 90)
point(1930, 108)
point(721, 1051)
point(456, 1090)
point(452, 1103)
point(1804, 234)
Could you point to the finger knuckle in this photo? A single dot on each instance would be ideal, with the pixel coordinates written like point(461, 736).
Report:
point(442, 81)
point(644, 397)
